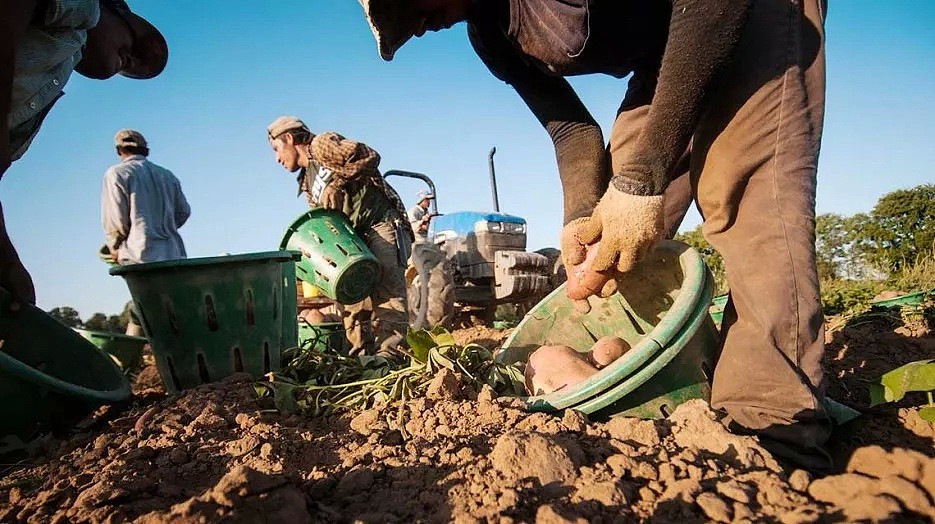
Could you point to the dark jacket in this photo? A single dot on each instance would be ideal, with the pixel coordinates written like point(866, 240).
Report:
point(673, 60)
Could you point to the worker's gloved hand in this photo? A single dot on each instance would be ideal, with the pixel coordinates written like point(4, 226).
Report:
point(627, 226)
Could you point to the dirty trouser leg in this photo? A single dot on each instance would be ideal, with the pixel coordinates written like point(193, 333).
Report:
point(390, 319)
point(356, 319)
point(134, 328)
point(623, 137)
point(755, 155)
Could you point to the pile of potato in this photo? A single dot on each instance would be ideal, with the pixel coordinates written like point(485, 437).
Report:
point(552, 368)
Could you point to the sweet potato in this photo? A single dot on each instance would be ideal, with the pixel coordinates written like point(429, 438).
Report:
point(606, 350)
point(551, 368)
point(313, 316)
point(582, 281)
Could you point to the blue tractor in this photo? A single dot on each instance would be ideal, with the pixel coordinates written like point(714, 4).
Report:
point(473, 261)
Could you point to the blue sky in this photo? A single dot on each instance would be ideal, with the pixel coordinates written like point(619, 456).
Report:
point(235, 66)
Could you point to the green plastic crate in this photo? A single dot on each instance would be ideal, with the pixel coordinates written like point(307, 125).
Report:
point(716, 310)
point(126, 351)
point(208, 318)
point(321, 337)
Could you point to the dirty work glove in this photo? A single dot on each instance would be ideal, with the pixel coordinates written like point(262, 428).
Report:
point(627, 225)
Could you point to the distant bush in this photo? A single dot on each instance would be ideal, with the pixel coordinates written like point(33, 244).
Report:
point(839, 296)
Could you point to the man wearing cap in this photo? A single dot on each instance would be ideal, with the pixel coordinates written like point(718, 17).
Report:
point(419, 215)
point(142, 208)
point(337, 173)
point(142, 205)
point(725, 105)
point(41, 43)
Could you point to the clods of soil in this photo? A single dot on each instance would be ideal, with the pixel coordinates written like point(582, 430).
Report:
point(215, 454)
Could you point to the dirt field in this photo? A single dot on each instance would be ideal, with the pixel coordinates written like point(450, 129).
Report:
point(213, 454)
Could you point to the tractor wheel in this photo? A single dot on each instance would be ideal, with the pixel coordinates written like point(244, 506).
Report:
point(432, 288)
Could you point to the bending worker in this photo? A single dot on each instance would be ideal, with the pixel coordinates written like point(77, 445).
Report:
point(337, 173)
point(41, 43)
point(725, 106)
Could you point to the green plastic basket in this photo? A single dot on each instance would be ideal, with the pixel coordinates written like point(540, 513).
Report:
point(126, 351)
point(909, 299)
point(716, 310)
point(50, 377)
point(321, 337)
point(334, 258)
point(208, 318)
point(662, 313)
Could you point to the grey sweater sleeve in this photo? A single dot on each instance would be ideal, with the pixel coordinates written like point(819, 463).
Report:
point(702, 37)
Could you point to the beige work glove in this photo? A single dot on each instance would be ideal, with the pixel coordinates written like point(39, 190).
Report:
point(627, 226)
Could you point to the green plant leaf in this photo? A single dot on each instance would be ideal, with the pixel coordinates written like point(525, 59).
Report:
point(442, 337)
point(420, 342)
point(927, 413)
point(284, 397)
point(893, 385)
point(437, 360)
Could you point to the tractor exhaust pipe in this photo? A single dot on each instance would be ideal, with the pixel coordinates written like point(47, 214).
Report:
point(493, 180)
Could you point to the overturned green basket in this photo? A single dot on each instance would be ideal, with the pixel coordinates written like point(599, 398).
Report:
point(661, 310)
point(334, 258)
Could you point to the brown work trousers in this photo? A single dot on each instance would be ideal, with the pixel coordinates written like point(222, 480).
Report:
point(378, 324)
point(752, 173)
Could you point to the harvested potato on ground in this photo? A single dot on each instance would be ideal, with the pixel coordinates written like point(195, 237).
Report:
point(582, 281)
point(312, 316)
point(607, 350)
point(551, 368)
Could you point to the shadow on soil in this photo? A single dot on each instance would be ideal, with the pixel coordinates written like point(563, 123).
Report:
point(857, 354)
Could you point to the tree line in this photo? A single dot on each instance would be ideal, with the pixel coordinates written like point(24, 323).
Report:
point(890, 247)
point(97, 322)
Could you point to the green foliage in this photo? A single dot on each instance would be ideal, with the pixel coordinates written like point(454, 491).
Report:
point(840, 296)
point(918, 276)
point(832, 245)
point(316, 383)
point(117, 324)
point(97, 322)
point(914, 376)
point(715, 262)
point(102, 322)
point(66, 315)
point(899, 230)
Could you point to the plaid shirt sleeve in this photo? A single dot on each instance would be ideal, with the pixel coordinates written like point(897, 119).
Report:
point(353, 160)
point(346, 158)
